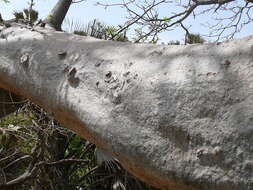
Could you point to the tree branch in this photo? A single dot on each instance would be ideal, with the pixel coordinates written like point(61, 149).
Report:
point(153, 24)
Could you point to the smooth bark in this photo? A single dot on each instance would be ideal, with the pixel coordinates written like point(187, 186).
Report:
point(58, 13)
point(177, 117)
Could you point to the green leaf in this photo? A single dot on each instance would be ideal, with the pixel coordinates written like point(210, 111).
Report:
point(166, 19)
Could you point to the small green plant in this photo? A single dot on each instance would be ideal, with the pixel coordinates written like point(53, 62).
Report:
point(95, 29)
point(174, 42)
point(18, 15)
point(194, 38)
point(25, 15)
point(80, 33)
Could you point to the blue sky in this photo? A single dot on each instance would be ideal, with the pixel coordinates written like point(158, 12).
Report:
point(87, 11)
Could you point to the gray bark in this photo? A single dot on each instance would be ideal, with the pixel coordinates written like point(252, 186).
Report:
point(1, 19)
point(177, 117)
point(58, 13)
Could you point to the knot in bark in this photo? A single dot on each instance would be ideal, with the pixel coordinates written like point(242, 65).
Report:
point(24, 60)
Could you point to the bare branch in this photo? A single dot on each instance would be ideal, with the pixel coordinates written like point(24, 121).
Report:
point(79, 1)
point(146, 15)
point(64, 161)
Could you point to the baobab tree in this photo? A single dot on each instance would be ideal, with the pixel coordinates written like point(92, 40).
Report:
point(177, 117)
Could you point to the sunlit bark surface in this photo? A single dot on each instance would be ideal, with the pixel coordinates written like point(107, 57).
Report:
point(178, 117)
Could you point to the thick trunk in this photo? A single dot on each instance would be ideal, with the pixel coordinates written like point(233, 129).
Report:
point(57, 15)
point(178, 117)
point(1, 19)
point(30, 12)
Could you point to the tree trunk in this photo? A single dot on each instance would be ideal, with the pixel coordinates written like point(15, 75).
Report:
point(178, 117)
point(1, 19)
point(58, 13)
